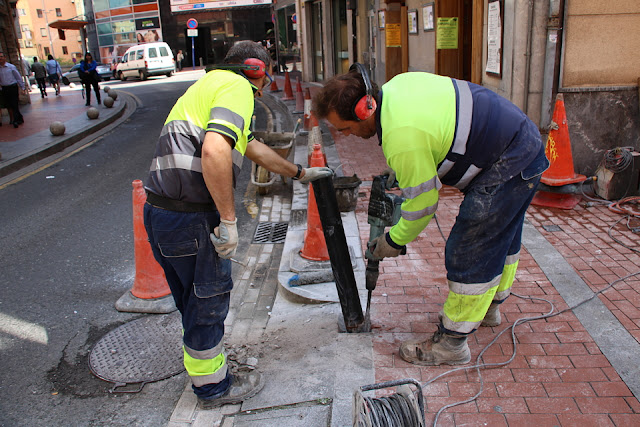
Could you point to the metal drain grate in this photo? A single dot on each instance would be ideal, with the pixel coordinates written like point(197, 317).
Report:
point(270, 232)
point(552, 228)
point(144, 350)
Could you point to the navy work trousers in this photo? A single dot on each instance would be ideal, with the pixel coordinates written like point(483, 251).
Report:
point(199, 280)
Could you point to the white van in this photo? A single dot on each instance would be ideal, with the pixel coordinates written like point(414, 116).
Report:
point(144, 60)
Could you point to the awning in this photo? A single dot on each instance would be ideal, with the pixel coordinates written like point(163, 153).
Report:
point(68, 24)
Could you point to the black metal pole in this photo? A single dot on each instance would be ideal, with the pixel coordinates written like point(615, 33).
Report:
point(338, 253)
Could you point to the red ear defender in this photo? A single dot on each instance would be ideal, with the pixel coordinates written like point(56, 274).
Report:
point(256, 68)
point(365, 107)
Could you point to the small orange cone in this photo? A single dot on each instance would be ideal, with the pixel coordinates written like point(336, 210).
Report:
point(288, 92)
point(150, 292)
point(307, 109)
point(315, 246)
point(274, 85)
point(560, 172)
point(299, 99)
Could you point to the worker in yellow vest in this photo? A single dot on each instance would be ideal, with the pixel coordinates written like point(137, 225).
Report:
point(436, 130)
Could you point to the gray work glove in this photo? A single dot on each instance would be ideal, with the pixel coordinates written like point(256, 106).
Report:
point(311, 174)
point(225, 238)
point(382, 248)
point(391, 181)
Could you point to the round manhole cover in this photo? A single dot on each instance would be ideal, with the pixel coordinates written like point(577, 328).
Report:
point(141, 351)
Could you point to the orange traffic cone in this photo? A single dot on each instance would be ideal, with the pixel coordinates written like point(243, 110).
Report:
point(299, 98)
point(288, 92)
point(274, 85)
point(150, 292)
point(315, 247)
point(560, 172)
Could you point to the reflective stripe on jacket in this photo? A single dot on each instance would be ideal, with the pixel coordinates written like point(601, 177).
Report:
point(222, 102)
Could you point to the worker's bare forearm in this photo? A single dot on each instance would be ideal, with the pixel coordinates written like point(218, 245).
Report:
point(217, 169)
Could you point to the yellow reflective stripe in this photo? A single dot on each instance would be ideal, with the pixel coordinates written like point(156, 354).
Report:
point(213, 369)
point(507, 279)
point(464, 313)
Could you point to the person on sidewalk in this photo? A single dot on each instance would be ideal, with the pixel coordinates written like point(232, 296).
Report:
point(40, 73)
point(11, 80)
point(89, 77)
point(55, 73)
point(190, 213)
point(179, 59)
point(26, 70)
point(437, 130)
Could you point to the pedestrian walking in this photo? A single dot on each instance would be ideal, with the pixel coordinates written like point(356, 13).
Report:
point(26, 70)
point(11, 81)
point(55, 73)
point(179, 59)
point(40, 73)
point(190, 213)
point(89, 77)
point(437, 130)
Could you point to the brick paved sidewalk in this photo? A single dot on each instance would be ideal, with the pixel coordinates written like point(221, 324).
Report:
point(559, 375)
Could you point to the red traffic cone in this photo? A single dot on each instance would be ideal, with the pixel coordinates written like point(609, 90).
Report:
point(307, 109)
point(299, 99)
point(274, 85)
point(150, 292)
point(315, 246)
point(288, 92)
point(560, 172)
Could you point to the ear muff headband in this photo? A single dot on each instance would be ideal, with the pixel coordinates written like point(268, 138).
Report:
point(252, 68)
point(365, 106)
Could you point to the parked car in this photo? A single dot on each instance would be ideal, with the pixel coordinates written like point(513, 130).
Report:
point(150, 59)
point(104, 71)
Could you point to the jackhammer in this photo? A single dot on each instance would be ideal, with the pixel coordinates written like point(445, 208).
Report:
point(384, 211)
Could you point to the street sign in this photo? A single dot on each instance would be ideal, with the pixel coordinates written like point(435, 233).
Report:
point(192, 33)
point(192, 24)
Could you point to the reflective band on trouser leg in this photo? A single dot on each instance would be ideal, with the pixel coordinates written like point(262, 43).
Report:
point(508, 276)
point(467, 304)
point(204, 370)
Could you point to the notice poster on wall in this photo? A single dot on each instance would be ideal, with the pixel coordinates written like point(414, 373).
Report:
point(393, 38)
point(447, 33)
point(494, 38)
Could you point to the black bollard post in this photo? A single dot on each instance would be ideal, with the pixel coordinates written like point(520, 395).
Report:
point(338, 253)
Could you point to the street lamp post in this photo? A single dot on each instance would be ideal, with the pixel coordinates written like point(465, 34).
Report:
point(46, 20)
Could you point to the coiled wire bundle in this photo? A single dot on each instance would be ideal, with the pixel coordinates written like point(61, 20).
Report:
point(401, 409)
point(618, 159)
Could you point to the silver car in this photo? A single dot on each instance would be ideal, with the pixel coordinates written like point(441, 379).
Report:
point(104, 71)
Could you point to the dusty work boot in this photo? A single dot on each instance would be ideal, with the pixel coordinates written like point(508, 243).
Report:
point(440, 349)
point(492, 318)
point(243, 386)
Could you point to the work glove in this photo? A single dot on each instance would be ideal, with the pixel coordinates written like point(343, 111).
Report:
point(382, 248)
point(312, 174)
point(391, 181)
point(225, 238)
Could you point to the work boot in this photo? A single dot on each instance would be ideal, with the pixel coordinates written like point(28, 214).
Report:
point(244, 385)
point(492, 318)
point(440, 349)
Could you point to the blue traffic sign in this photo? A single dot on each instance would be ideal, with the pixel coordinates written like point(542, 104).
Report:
point(192, 24)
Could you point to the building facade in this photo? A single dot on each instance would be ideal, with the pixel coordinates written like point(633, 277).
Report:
point(37, 38)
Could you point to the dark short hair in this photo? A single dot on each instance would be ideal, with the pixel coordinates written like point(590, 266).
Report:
point(35, 59)
point(50, 56)
point(340, 94)
point(246, 49)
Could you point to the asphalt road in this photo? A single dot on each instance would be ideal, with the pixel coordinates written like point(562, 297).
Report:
point(66, 245)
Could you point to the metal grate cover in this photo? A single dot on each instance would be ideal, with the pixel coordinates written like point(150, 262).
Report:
point(144, 350)
point(552, 228)
point(270, 232)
